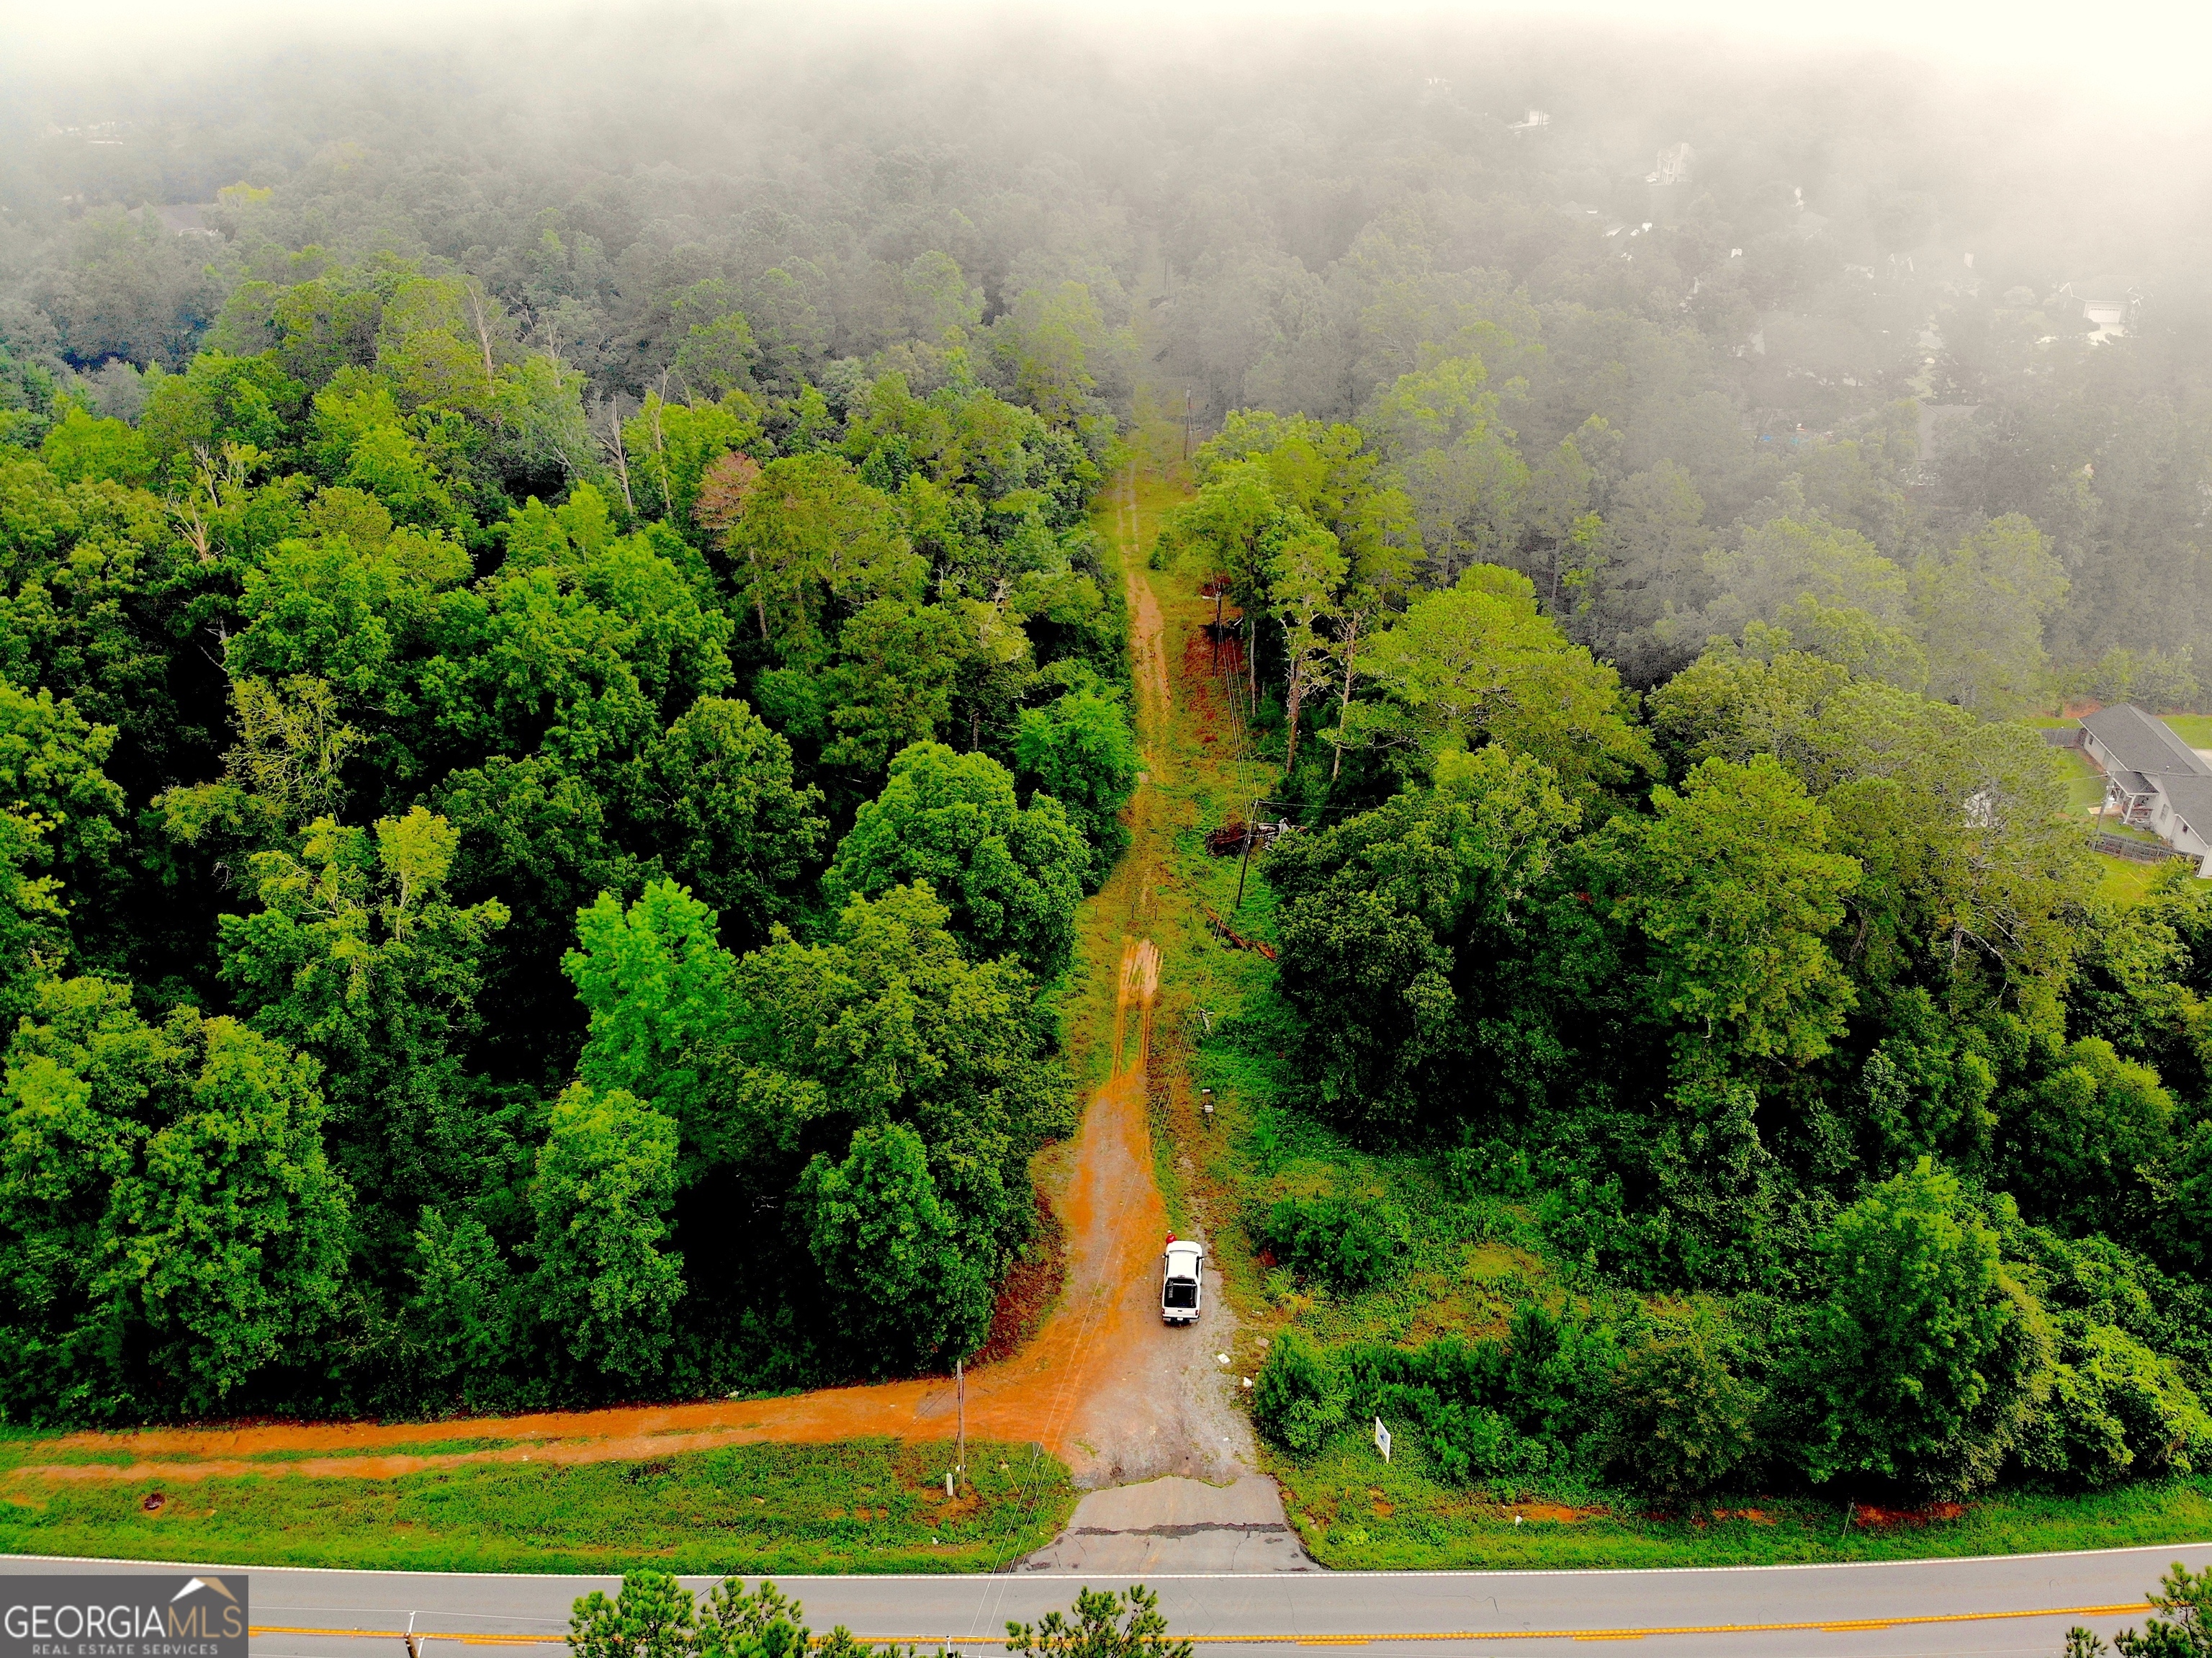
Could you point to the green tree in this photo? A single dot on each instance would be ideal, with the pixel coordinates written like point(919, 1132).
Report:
point(717, 800)
point(218, 401)
point(661, 993)
point(1305, 570)
point(1226, 529)
point(286, 770)
point(1730, 887)
point(1391, 918)
point(1981, 609)
point(34, 938)
point(887, 1020)
point(1334, 476)
point(1477, 663)
point(1923, 1362)
point(174, 1227)
point(811, 536)
point(903, 1291)
point(652, 1616)
point(2189, 1598)
point(2116, 1408)
point(1107, 1625)
point(79, 447)
point(1297, 1398)
point(2084, 1136)
point(893, 682)
point(464, 1315)
point(1683, 1418)
point(1458, 466)
point(51, 762)
point(1786, 560)
point(764, 1624)
point(1653, 547)
point(672, 449)
point(1013, 874)
point(1971, 865)
point(359, 957)
point(1078, 749)
point(605, 1282)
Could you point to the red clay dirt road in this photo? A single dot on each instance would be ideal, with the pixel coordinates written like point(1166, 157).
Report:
point(1104, 1385)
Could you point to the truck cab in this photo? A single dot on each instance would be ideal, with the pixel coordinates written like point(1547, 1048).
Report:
point(1182, 1287)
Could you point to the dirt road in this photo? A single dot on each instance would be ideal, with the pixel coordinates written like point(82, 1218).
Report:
point(1104, 1385)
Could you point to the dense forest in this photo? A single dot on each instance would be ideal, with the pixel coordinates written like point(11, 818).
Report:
point(561, 697)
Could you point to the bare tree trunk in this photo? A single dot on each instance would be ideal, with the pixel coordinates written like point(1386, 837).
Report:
point(660, 448)
point(483, 332)
point(614, 446)
point(1343, 703)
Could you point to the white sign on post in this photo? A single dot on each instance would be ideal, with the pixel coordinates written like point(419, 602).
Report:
point(1382, 1438)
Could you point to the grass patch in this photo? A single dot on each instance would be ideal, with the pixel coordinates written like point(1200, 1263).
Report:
point(2124, 881)
point(2085, 784)
point(2195, 730)
point(866, 1506)
point(1355, 1512)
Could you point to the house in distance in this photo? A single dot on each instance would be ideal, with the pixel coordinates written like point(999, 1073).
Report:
point(2154, 779)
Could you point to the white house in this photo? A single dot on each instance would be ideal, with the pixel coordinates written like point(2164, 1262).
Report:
point(2157, 781)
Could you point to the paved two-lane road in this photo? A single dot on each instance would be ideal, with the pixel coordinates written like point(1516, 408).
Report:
point(1926, 1607)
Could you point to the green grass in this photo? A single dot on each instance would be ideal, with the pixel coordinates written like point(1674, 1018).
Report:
point(2085, 784)
point(866, 1506)
point(2195, 730)
point(1355, 1512)
point(2124, 881)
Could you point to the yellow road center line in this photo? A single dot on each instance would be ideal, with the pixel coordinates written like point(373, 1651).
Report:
point(929, 1641)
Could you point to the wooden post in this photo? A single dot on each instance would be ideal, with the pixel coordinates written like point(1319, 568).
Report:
point(1249, 825)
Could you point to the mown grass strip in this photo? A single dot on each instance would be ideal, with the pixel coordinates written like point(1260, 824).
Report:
point(1353, 1512)
point(866, 1506)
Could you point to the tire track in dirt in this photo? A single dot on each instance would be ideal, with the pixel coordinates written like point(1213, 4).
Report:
point(1104, 1385)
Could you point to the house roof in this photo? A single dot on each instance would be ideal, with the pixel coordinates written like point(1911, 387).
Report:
point(2141, 743)
point(2192, 798)
point(2127, 781)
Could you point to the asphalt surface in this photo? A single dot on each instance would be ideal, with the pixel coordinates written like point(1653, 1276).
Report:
point(1174, 1527)
point(2020, 1604)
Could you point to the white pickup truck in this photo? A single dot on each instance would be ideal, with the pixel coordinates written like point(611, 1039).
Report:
point(1182, 1286)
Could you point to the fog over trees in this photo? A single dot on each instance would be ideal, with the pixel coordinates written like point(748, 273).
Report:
point(558, 686)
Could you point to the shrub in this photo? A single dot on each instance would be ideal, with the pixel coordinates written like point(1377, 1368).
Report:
point(1920, 1365)
point(1490, 1411)
point(1683, 1417)
point(1298, 1398)
point(2115, 1408)
point(1347, 1245)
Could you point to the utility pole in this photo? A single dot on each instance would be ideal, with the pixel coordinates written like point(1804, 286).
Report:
point(1186, 425)
point(960, 1387)
point(1218, 595)
point(1249, 825)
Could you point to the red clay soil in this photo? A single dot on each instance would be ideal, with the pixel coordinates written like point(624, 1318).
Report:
point(1876, 1520)
point(1085, 1386)
point(1115, 1224)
